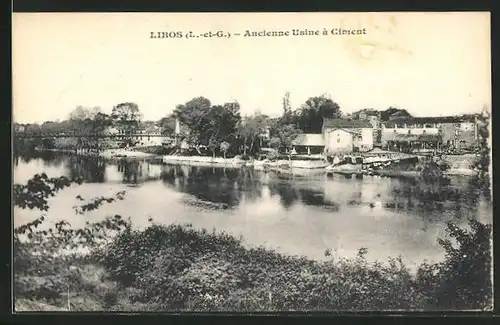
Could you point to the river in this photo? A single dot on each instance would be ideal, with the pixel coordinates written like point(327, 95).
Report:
point(294, 215)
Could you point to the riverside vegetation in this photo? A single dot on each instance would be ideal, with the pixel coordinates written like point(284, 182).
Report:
point(111, 266)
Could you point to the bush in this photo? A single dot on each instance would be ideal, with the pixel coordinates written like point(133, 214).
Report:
point(464, 279)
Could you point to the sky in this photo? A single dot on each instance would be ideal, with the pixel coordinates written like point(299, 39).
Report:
point(427, 63)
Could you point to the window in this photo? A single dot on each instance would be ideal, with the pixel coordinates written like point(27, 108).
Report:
point(424, 132)
point(338, 140)
point(394, 131)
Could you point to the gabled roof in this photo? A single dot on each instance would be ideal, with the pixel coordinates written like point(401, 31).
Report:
point(343, 123)
point(309, 139)
point(351, 131)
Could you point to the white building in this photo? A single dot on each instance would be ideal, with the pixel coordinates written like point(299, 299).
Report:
point(346, 135)
point(308, 143)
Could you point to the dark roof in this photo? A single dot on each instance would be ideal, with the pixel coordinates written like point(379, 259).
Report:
point(343, 123)
point(429, 120)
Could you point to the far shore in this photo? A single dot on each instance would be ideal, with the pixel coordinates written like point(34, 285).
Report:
point(108, 153)
point(457, 168)
point(125, 153)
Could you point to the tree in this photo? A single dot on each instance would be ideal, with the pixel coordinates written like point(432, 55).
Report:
point(168, 124)
point(37, 251)
point(287, 107)
point(81, 119)
point(80, 113)
point(32, 129)
point(209, 125)
point(282, 135)
point(289, 115)
point(483, 162)
point(219, 125)
point(312, 112)
point(393, 112)
point(50, 127)
point(192, 114)
point(90, 123)
point(275, 143)
point(127, 117)
point(224, 147)
point(251, 128)
point(368, 111)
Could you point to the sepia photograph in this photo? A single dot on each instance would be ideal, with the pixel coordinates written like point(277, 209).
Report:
point(252, 162)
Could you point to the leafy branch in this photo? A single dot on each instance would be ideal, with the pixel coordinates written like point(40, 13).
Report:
point(35, 193)
point(96, 203)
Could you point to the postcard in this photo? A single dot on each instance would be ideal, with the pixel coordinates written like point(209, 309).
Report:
point(252, 162)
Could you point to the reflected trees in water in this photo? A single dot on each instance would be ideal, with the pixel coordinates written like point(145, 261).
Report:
point(50, 159)
point(458, 198)
point(216, 185)
point(90, 169)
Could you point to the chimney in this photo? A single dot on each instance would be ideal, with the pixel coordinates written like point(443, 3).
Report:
point(177, 127)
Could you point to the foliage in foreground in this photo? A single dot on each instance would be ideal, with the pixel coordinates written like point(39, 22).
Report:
point(179, 268)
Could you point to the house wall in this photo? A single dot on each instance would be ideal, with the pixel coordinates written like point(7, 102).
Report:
point(338, 141)
point(388, 132)
point(313, 150)
point(410, 130)
point(365, 141)
point(459, 134)
point(454, 134)
point(374, 121)
point(152, 140)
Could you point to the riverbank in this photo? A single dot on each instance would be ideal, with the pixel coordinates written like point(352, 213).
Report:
point(459, 165)
point(204, 161)
point(178, 268)
point(125, 153)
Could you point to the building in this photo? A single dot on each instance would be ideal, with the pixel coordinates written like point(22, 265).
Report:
point(111, 130)
point(347, 135)
point(374, 118)
point(150, 135)
point(309, 144)
point(408, 134)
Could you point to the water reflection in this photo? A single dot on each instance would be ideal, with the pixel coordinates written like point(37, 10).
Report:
point(216, 185)
point(228, 187)
point(304, 213)
point(49, 159)
point(90, 169)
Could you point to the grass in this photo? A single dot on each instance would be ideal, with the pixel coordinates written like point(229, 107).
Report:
point(177, 268)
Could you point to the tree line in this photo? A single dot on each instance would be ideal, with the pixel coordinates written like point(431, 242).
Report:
point(222, 128)
point(216, 128)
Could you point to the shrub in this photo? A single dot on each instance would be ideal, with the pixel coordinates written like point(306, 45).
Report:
point(464, 279)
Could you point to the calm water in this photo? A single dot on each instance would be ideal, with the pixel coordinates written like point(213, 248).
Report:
point(297, 215)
